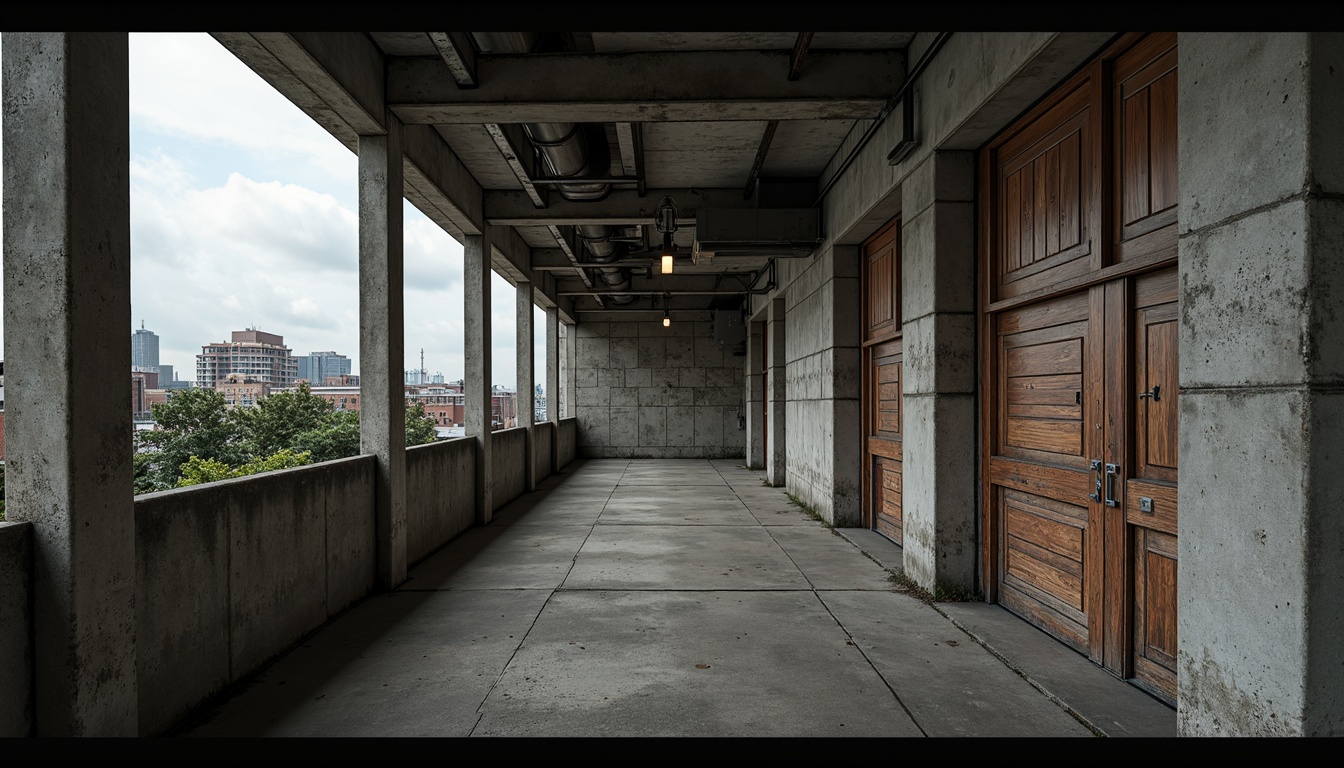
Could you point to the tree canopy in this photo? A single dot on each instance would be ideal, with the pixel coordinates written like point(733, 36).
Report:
point(199, 439)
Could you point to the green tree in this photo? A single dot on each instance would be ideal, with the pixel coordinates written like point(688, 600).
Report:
point(196, 470)
point(195, 422)
point(419, 427)
point(279, 419)
point(335, 438)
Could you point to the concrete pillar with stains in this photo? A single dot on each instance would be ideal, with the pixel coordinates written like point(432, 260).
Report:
point(1260, 622)
point(67, 268)
point(526, 372)
point(938, 329)
point(476, 268)
point(382, 395)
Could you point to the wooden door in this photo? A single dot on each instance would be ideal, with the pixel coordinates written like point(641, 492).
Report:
point(881, 388)
point(1079, 315)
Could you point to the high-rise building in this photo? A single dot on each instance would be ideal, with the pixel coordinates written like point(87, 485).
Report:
point(144, 349)
point(252, 353)
point(317, 367)
point(166, 375)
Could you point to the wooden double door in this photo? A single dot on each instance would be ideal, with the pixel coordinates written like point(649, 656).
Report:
point(1080, 372)
point(881, 388)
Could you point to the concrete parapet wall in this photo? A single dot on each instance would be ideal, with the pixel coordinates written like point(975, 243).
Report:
point(16, 629)
point(439, 501)
point(508, 458)
point(566, 441)
point(543, 438)
point(230, 574)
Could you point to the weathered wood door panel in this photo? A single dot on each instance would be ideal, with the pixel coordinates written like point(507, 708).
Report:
point(1080, 327)
point(882, 365)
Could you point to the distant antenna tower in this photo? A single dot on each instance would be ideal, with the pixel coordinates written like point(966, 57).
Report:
point(422, 365)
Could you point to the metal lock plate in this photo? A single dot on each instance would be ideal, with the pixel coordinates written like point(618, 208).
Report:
point(1145, 504)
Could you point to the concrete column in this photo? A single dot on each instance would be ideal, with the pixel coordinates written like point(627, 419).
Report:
point(777, 398)
point(938, 331)
point(1260, 622)
point(476, 266)
point(382, 394)
point(553, 381)
point(67, 293)
point(755, 449)
point(570, 377)
point(526, 378)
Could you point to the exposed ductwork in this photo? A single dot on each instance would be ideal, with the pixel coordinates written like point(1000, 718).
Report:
point(565, 149)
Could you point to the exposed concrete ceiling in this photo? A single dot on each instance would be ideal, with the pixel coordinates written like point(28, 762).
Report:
point(700, 117)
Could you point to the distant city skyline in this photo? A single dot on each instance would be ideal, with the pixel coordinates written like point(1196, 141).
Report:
point(244, 214)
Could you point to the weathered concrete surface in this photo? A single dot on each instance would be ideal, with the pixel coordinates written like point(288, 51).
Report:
point(476, 286)
point(382, 425)
point(1260, 623)
point(553, 622)
point(230, 574)
point(526, 377)
point(67, 291)
point(439, 499)
point(938, 381)
point(543, 448)
point(509, 462)
point(16, 626)
point(645, 391)
point(566, 442)
point(755, 396)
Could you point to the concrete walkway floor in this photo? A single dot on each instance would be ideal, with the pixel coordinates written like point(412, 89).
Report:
point(675, 598)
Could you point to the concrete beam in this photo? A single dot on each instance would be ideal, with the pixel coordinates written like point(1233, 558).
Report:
point(621, 207)
point(637, 87)
point(334, 77)
point(459, 54)
point(439, 184)
point(727, 284)
point(515, 149)
point(382, 419)
point(476, 277)
point(67, 305)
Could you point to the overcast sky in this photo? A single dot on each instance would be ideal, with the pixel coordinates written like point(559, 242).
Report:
point(244, 213)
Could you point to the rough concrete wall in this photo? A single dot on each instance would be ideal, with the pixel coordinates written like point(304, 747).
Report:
point(231, 574)
point(566, 442)
point(822, 353)
point(645, 391)
point(508, 457)
point(1260, 620)
point(543, 439)
point(440, 501)
point(16, 628)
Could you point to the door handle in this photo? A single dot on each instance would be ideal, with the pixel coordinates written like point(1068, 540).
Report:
point(1112, 471)
point(1153, 393)
point(1096, 467)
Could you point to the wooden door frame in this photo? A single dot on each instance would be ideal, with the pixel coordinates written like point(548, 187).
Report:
point(1115, 293)
point(868, 515)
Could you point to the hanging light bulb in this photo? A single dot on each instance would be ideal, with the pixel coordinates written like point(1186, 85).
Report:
point(667, 253)
point(667, 319)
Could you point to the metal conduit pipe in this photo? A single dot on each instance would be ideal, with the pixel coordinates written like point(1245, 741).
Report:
point(565, 152)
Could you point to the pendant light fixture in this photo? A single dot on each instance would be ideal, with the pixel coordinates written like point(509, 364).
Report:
point(667, 319)
point(665, 221)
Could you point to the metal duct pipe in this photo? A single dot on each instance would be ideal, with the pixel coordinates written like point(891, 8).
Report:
point(565, 151)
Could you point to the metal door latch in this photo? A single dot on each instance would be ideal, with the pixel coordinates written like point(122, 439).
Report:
point(1096, 467)
point(1153, 393)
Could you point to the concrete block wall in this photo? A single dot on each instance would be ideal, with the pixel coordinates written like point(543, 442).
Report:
point(231, 574)
point(508, 458)
point(16, 629)
point(645, 391)
point(543, 447)
point(566, 441)
point(439, 498)
point(822, 381)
